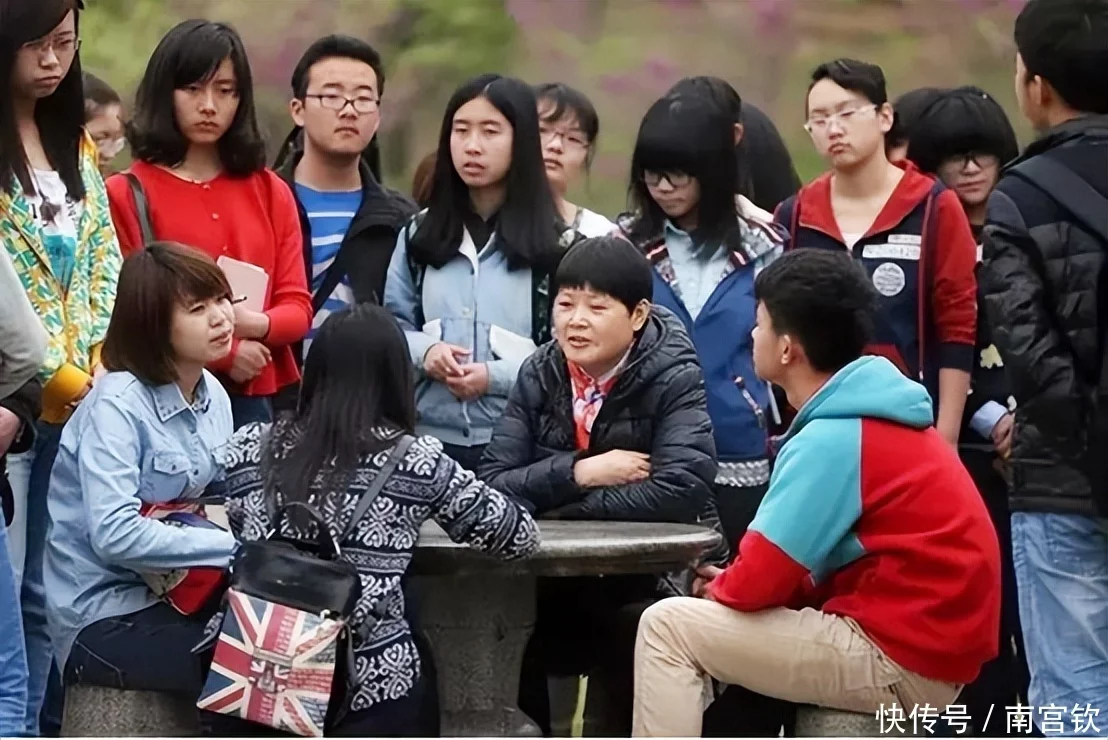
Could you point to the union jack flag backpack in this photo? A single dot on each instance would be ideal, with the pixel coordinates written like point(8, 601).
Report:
point(285, 627)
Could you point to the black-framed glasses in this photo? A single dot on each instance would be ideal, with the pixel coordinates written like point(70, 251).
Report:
point(675, 179)
point(336, 102)
point(982, 160)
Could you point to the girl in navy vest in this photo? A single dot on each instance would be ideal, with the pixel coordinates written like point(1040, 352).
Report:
point(907, 230)
point(963, 137)
point(706, 247)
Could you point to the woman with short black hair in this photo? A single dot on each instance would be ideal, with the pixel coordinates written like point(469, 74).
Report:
point(200, 165)
point(469, 280)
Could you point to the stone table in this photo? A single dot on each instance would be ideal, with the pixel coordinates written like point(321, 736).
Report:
point(477, 613)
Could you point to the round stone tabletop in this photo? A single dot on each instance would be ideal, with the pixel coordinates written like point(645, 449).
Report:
point(574, 548)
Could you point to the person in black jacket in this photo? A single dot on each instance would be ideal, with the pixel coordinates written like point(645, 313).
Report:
point(608, 422)
point(1044, 266)
point(350, 222)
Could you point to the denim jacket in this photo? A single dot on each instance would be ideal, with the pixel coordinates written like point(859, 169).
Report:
point(460, 303)
point(128, 444)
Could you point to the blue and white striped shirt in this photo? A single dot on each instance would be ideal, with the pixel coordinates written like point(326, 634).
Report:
point(329, 217)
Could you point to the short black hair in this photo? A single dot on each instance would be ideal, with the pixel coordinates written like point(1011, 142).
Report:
point(331, 47)
point(1066, 43)
point(868, 80)
point(609, 265)
point(191, 52)
point(824, 300)
point(564, 100)
point(959, 122)
point(908, 108)
point(98, 94)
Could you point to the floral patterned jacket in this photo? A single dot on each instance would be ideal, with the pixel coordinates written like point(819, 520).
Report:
point(76, 320)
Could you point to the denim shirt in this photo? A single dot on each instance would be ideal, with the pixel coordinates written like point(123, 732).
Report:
point(698, 274)
point(461, 303)
point(129, 443)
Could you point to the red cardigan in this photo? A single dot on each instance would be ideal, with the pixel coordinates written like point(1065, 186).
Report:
point(253, 219)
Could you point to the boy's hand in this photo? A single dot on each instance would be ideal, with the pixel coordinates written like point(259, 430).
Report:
point(705, 574)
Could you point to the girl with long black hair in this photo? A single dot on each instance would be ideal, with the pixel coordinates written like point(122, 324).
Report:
point(57, 229)
point(356, 404)
point(200, 164)
point(469, 278)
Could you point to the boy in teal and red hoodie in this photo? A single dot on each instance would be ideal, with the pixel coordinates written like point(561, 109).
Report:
point(871, 572)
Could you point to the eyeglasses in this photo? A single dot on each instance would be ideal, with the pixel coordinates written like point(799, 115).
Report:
point(675, 179)
point(569, 138)
point(981, 160)
point(61, 47)
point(335, 102)
point(820, 124)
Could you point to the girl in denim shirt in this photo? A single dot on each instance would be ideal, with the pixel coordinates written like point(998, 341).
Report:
point(468, 279)
point(147, 433)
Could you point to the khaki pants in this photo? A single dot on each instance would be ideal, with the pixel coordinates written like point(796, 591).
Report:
point(805, 656)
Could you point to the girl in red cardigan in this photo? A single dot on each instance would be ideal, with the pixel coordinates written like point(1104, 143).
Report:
point(200, 161)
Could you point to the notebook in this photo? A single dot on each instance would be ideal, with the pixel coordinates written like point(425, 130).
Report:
point(246, 280)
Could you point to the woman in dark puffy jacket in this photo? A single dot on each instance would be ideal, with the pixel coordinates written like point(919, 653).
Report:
point(608, 422)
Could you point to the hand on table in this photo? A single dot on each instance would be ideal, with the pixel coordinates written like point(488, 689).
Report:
point(614, 468)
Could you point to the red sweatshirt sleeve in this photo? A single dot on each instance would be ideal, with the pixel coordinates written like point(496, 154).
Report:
point(954, 290)
point(762, 577)
point(122, 205)
point(290, 307)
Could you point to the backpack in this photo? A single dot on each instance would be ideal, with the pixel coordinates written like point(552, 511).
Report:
point(541, 299)
point(1089, 209)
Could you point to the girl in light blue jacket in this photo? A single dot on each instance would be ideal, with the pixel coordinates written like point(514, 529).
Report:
point(468, 281)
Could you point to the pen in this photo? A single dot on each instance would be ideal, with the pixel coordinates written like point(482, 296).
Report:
point(238, 299)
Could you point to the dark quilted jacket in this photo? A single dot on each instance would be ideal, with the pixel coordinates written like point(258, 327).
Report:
point(657, 406)
point(1044, 293)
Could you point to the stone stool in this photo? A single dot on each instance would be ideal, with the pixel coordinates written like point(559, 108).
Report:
point(814, 721)
point(95, 711)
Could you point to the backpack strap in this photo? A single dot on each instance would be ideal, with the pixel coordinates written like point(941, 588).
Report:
point(790, 214)
point(142, 208)
point(926, 279)
point(336, 271)
point(1069, 190)
point(399, 450)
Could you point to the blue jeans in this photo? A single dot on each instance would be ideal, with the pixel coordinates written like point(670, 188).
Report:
point(13, 657)
point(1062, 580)
point(29, 475)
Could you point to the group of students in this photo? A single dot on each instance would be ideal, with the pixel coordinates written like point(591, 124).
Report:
point(552, 363)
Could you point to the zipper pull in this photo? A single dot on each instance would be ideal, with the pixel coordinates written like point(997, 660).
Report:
point(758, 412)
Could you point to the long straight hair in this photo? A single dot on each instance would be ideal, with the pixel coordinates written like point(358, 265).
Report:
point(60, 117)
point(527, 226)
point(357, 394)
point(694, 136)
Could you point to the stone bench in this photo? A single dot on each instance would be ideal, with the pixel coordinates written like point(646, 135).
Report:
point(814, 721)
point(95, 711)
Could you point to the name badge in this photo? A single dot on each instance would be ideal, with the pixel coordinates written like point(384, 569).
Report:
point(915, 239)
point(891, 251)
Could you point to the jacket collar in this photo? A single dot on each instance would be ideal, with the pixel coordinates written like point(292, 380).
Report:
point(169, 401)
point(1063, 133)
point(378, 208)
point(817, 214)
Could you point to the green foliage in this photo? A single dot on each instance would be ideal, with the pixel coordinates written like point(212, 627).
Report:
point(118, 37)
point(452, 41)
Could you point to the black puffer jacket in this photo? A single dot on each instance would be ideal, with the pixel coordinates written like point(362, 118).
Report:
point(1044, 295)
point(657, 406)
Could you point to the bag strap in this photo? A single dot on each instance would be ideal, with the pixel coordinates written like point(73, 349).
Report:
point(1069, 190)
point(142, 209)
point(399, 450)
point(334, 275)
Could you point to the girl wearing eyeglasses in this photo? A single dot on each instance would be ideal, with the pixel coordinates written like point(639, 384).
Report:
point(707, 245)
point(57, 230)
point(568, 127)
point(200, 163)
point(905, 228)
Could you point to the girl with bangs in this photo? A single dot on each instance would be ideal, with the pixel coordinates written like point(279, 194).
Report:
point(568, 128)
point(146, 434)
point(199, 178)
point(469, 279)
point(56, 227)
point(964, 138)
point(707, 245)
